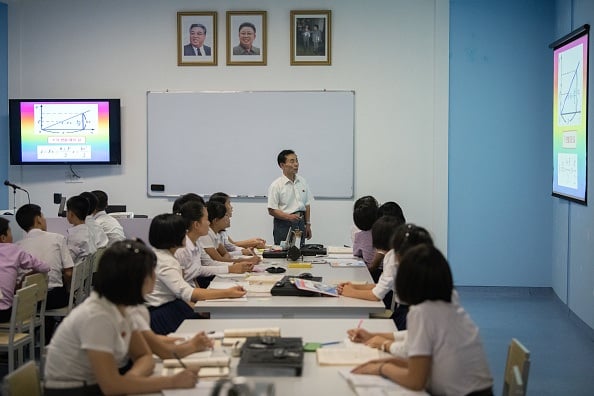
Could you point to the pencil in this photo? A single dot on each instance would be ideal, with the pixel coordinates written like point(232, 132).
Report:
point(175, 355)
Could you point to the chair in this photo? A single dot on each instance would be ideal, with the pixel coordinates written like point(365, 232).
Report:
point(22, 326)
point(23, 381)
point(517, 367)
point(76, 294)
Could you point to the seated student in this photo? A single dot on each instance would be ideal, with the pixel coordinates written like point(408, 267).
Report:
point(390, 208)
point(181, 200)
point(97, 234)
point(365, 200)
point(227, 241)
point(405, 237)
point(211, 243)
point(364, 215)
point(12, 260)
point(445, 353)
point(50, 248)
point(191, 255)
point(98, 336)
point(170, 302)
point(111, 226)
point(79, 240)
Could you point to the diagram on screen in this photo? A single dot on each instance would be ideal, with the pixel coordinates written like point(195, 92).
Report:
point(569, 87)
point(66, 118)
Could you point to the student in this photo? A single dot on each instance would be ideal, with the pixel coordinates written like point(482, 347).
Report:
point(391, 208)
point(171, 301)
point(98, 337)
point(364, 216)
point(405, 237)
point(79, 240)
point(445, 355)
point(211, 243)
point(181, 200)
point(365, 200)
point(191, 255)
point(50, 248)
point(97, 234)
point(12, 260)
point(112, 228)
point(246, 244)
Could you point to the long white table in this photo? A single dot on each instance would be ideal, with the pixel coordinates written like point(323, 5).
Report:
point(268, 306)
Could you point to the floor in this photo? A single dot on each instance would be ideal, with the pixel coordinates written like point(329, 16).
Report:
point(561, 346)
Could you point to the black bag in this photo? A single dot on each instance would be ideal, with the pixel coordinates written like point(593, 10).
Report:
point(271, 357)
point(284, 287)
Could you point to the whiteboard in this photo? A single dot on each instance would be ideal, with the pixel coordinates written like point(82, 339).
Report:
point(205, 142)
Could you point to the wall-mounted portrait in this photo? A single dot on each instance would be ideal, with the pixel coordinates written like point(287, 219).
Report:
point(196, 38)
point(311, 38)
point(246, 38)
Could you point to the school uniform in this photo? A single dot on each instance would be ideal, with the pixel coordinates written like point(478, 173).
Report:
point(110, 226)
point(363, 246)
point(80, 243)
point(233, 250)
point(97, 234)
point(190, 259)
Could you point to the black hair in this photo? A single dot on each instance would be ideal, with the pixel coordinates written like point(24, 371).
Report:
point(92, 201)
point(219, 197)
point(391, 208)
point(192, 211)
point(25, 216)
point(282, 156)
point(4, 226)
point(167, 231)
point(181, 200)
point(216, 210)
point(198, 25)
point(247, 24)
point(382, 231)
point(122, 271)
point(365, 200)
point(364, 216)
point(408, 236)
point(79, 206)
point(424, 274)
point(101, 199)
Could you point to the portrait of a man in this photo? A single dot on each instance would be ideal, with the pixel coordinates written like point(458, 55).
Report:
point(196, 38)
point(246, 38)
point(247, 35)
point(196, 47)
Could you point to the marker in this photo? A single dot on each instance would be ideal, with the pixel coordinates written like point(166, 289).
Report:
point(175, 355)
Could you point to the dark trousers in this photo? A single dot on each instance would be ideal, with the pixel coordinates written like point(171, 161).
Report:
point(166, 318)
point(281, 229)
point(5, 315)
point(88, 390)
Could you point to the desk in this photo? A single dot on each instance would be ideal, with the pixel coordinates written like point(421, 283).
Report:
point(267, 306)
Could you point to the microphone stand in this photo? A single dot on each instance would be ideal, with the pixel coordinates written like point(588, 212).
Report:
point(14, 189)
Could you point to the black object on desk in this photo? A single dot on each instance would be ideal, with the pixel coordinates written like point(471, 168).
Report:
point(275, 270)
point(285, 287)
point(277, 357)
point(313, 249)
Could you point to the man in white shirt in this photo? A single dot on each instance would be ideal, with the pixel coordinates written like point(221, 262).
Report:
point(112, 228)
point(289, 199)
point(79, 240)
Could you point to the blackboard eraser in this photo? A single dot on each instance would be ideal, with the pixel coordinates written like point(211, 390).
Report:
point(158, 187)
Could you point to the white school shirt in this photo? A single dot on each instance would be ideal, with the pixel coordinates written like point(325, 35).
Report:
point(50, 248)
point(386, 281)
point(97, 325)
point(234, 250)
point(80, 244)
point(190, 258)
point(140, 317)
point(170, 283)
point(111, 226)
point(96, 232)
point(445, 332)
point(289, 196)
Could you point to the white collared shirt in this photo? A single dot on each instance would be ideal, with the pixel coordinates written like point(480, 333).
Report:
point(80, 244)
point(96, 232)
point(289, 196)
point(170, 283)
point(50, 248)
point(111, 226)
point(190, 258)
point(386, 281)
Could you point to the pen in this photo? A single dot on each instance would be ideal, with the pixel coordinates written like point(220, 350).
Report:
point(358, 327)
point(175, 355)
point(330, 343)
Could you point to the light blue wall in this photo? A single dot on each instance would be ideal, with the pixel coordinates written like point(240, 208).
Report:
point(573, 240)
point(500, 146)
point(3, 102)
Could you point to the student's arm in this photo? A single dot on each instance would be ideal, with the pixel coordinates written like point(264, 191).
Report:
point(216, 256)
point(165, 346)
point(222, 251)
point(200, 294)
point(141, 355)
point(363, 294)
point(413, 377)
point(258, 243)
point(360, 335)
point(67, 277)
point(377, 260)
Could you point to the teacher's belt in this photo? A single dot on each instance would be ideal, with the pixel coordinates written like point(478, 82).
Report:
point(300, 213)
point(53, 384)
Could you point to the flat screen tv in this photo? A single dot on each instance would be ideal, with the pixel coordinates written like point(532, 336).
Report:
point(64, 131)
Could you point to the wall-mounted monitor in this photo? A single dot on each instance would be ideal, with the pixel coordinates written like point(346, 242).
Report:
point(64, 131)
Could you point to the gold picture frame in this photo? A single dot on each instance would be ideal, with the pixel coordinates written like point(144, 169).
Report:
point(311, 38)
point(246, 38)
point(197, 38)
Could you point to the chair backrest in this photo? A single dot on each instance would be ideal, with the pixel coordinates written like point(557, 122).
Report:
point(517, 367)
point(24, 309)
point(23, 381)
point(42, 284)
point(76, 295)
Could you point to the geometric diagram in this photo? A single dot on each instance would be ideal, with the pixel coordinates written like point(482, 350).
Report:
point(65, 118)
point(570, 84)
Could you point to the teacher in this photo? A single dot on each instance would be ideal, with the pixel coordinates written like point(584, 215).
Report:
point(289, 199)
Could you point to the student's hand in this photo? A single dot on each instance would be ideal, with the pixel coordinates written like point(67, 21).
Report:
point(371, 367)
point(359, 335)
point(377, 342)
point(348, 290)
point(240, 267)
point(201, 342)
point(236, 292)
point(258, 243)
point(341, 286)
point(252, 261)
point(185, 379)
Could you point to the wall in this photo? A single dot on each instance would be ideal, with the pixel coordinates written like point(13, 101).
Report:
point(573, 224)
point(500, 142)
point(392, 53)
point(3, 100)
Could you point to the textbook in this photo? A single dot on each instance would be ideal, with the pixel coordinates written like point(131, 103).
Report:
point(204, 372)
point(212, 361)
point(316, 287)
point(253, 332)
point(346, 356)
point(346, 263)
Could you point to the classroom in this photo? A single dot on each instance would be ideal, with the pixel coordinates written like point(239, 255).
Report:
point(452, 98)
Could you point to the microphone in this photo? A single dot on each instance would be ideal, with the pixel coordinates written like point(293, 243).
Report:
point(7, 183)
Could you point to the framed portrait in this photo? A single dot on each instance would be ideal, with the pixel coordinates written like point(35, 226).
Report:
point(246, 38)
point(311, 37)
point(196, 38)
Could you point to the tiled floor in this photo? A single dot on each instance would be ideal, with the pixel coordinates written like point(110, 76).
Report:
point(561, 346)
